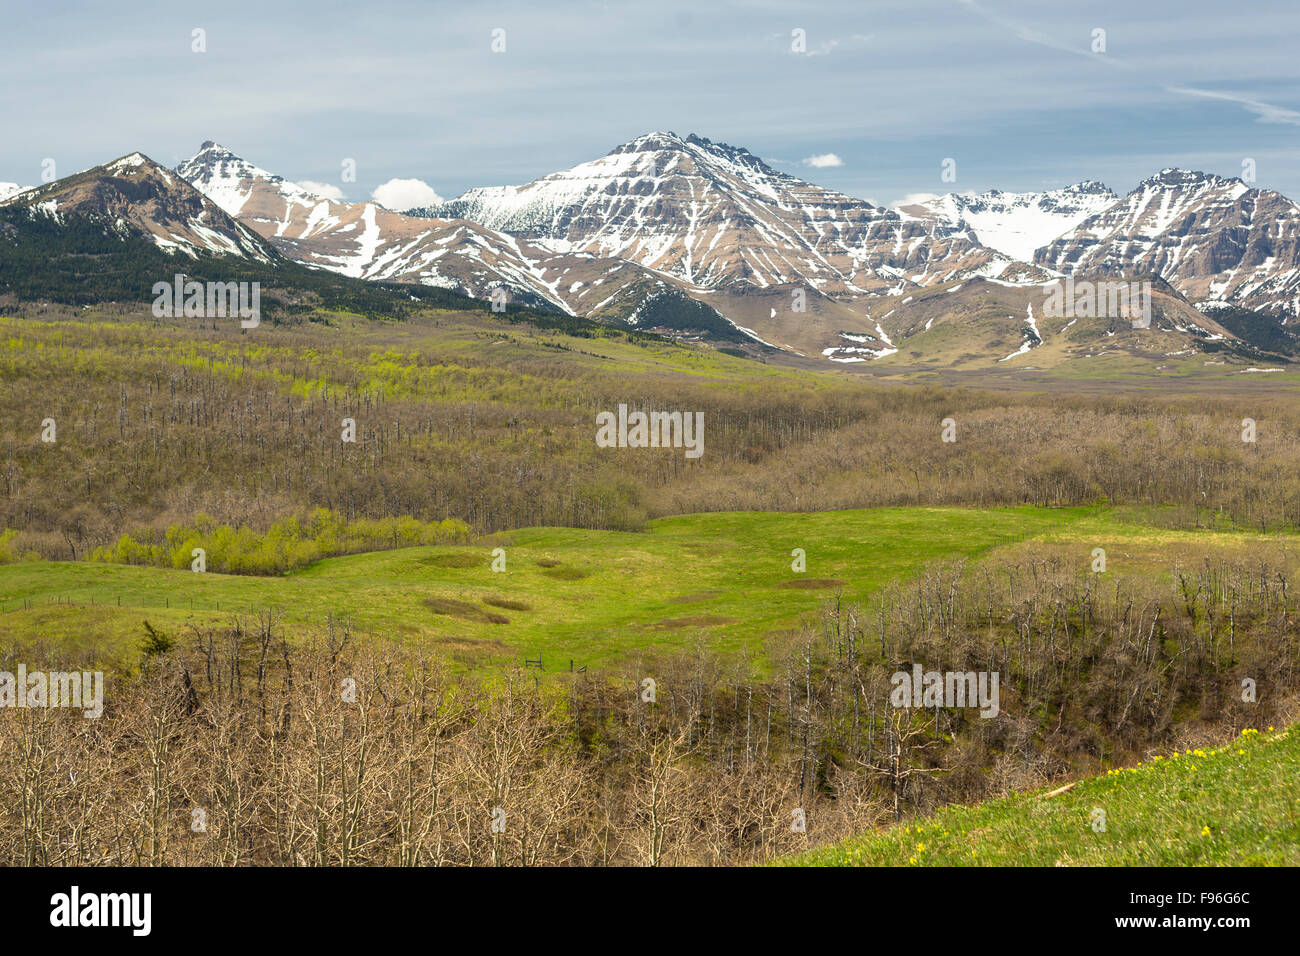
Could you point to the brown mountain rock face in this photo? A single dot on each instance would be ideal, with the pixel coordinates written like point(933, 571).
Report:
point(714, 216)
point(1210, 237)
point(634, 236)
point(367, 241)
point(134, 191)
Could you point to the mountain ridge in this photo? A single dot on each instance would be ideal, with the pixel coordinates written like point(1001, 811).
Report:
point(690, 236)
point(715, 215)
point(1216, 238)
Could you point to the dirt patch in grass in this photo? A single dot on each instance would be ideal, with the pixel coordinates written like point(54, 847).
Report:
point(463, 609)
point(452, 607)
point(452, 559)
point(809, 584)
point(700, 620)
point(507, 603)
point(565, 574)
point(697, 596)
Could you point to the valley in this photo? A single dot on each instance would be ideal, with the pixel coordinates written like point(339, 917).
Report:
point(637, 482)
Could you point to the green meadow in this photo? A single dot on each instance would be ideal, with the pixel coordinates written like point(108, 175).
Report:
point(1234, 805)
point(591, 597)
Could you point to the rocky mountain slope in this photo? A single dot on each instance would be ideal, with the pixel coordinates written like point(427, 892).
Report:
point(135, 194)
point(716, 216)
point(367, 241)
point(700, 238)
point(986, 324)
point(1212, 238)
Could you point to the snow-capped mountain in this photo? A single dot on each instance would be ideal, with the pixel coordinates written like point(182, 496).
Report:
point(363, 239)
point(1212, 238)
point(636, 235)
point(134, 193)
point(1016, 224)
point(688, 235)
point(716, 216)
point(367, 241)
point(9, 189)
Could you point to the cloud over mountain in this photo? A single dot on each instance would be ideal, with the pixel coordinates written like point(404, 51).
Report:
point(324, 190)
point(400, 195)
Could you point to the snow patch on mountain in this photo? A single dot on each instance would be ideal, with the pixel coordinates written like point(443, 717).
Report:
point(1013, 223)
point(11, 189)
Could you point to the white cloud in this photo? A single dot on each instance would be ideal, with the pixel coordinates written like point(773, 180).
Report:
point(824, 160)
point(324, 190)
point(400, 195)
point(1267, 112)
point(913, 199)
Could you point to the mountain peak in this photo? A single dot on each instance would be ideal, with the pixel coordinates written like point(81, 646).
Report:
point(213, 148)
point(693, 143)
point(134, 194)
point(716, 216)
point(1212, 237)
point(136, 167)
point(226, 178)
point(1172, 176)
point(129, 162)
point(1089, 187)
point(655, 142)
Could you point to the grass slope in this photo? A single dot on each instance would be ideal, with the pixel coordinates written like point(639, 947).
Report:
point(1236, 805)
point(589, 596)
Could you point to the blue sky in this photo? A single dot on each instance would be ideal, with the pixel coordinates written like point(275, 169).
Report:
point(1010, 89)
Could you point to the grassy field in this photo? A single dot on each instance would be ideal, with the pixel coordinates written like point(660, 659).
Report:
point(567, 594)
point(1235, 805)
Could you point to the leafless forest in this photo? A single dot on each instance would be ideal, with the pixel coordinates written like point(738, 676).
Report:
point(164, 425)
point(247, 745)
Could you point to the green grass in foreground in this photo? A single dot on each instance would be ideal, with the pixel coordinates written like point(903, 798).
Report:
point(590, 596)
point(1237, 805)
